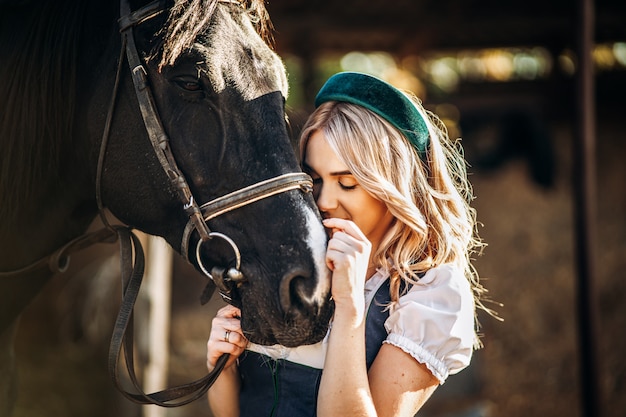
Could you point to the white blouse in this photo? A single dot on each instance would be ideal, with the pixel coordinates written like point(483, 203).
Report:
point(433, 322)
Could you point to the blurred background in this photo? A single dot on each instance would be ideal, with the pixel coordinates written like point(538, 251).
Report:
point(503, 77)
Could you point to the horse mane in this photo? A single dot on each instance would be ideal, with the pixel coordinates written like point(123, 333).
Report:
point(38, 85)
point(188, 19)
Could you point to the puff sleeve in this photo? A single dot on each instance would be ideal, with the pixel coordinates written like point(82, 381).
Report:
point(434, 322)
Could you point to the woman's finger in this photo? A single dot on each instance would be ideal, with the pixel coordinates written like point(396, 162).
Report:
point(226, 336)
point(346, 226)
point(229, 311)
point(215, 349)
point(340, 245)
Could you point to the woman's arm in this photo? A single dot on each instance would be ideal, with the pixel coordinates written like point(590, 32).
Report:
point(223, 396)
point(397, 385)
point(344, 387)
point(226, 337)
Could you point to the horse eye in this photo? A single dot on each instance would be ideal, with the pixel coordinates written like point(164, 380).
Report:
point(189, 85)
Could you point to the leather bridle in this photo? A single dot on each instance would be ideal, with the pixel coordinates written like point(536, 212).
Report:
point(131, 251)
point(198, 217)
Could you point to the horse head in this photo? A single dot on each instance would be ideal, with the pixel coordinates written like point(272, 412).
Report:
point(218, 92)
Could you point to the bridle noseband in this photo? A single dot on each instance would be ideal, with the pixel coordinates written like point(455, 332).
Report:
point(233, 201)
point(132, 257)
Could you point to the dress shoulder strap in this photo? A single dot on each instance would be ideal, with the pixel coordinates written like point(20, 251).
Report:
point(377, 314)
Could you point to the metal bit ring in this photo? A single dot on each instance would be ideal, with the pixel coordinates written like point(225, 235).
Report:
point(232, 245)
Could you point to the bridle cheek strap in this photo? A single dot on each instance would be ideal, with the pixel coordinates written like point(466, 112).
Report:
point(133, 266)
point(152, 121)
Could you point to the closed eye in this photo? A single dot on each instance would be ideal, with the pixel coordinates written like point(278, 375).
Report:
point(347, 187)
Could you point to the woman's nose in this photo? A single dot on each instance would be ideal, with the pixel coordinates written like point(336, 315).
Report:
point(325, 200)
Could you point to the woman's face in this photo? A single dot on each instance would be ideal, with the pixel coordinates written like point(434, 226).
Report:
point(339, 195)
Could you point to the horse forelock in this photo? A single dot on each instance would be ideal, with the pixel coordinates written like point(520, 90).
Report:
point(38, 99)
point(189, 19)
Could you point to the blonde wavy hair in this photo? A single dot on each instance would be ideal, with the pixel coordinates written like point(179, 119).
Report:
point(429, 197)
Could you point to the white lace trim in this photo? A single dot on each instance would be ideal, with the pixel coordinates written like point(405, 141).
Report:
point(434, 364)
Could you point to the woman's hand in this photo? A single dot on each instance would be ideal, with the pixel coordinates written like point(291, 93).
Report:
point(226, 337)
point(347, 255)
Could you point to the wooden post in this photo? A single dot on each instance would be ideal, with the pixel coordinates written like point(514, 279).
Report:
point(157, 287)
point(585, 212)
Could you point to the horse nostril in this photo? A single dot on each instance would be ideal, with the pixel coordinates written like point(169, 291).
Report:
point(294, 294)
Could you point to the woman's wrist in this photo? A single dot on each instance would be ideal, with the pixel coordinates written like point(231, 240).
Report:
point(348, 314)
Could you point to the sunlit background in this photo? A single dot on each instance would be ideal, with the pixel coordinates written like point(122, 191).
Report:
point(438, 75)
point(501, 75)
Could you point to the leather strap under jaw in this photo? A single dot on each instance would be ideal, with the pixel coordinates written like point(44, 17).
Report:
point(59, 261)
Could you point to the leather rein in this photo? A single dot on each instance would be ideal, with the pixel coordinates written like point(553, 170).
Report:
point(131, 252)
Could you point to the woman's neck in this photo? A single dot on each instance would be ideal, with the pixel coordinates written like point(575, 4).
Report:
point(371, 270)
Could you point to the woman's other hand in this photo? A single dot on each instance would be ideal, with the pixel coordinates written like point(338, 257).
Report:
point(226, 337)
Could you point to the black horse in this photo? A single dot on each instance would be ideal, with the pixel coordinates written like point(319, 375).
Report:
point(212, 93)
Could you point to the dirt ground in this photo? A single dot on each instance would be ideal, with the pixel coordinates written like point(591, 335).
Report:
point(530, 362)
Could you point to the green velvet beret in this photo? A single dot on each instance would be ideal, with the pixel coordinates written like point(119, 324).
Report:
point(380, 97)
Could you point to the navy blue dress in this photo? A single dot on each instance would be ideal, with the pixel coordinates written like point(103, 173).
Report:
point(280, 388)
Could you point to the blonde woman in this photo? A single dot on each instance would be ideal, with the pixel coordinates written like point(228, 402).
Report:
point(393, 192)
